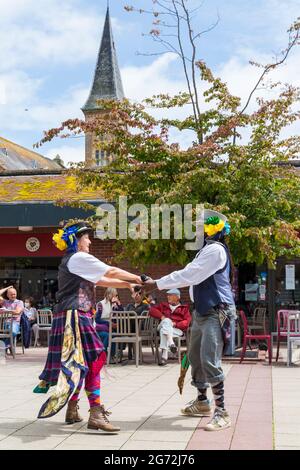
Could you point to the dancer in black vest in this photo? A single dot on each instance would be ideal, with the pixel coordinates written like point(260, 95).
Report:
point(76, 354)
point(209, 277)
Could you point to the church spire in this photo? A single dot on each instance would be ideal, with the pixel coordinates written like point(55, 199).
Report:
point(107, 80)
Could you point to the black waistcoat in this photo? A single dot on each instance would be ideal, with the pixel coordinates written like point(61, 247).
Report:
point(74, 292)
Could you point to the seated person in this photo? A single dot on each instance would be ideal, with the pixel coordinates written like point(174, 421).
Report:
point(175, 318)
point(111, 302)
point(138, 305)
point(31, 314)
point(150, 300)
point(2, 300)
point(16, 307)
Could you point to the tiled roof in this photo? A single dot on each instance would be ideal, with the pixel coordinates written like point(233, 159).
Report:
point(43, 188)
point(16, 157)
point(107, 80)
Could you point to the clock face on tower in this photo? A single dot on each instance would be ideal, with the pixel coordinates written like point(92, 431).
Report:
point(33, 244)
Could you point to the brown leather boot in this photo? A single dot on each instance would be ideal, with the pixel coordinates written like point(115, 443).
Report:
point(72, 415)
point(98, 420)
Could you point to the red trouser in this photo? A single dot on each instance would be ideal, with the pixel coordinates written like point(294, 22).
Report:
point(92, 382)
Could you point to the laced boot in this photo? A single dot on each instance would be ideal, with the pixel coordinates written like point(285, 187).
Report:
point(72, 415)
point(98, 420)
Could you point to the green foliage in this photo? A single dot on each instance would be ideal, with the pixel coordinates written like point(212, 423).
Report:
point(251, 181)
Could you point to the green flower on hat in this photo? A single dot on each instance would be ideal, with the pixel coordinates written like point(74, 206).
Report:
point(212, 221)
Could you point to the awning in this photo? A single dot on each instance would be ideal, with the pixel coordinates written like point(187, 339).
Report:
point(43, 214)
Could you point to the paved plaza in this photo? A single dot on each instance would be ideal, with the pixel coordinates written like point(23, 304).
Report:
point(263, 402)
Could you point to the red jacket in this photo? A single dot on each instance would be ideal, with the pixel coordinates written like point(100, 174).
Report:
point(181, 315)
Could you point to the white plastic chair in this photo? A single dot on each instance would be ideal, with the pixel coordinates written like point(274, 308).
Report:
point(6, 330)
point(44, 323)
point(258, 320)
point(293, 334)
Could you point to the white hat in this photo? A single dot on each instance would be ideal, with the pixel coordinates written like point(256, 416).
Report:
point(209, 213)
point(174, 292)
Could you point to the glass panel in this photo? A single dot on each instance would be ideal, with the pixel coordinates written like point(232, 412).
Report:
point(287, 298)
point(35, 277)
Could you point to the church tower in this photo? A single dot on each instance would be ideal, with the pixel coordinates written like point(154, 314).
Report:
point(107, 84)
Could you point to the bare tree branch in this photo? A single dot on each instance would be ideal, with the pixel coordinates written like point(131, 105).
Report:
point(213, 26)
point(199, 131)
point(292, 42)
point(184, 62)
point(167, 45)
point(150, 54)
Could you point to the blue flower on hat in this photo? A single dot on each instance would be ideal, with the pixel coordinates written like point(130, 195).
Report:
point(69, 236)
point(227, 228)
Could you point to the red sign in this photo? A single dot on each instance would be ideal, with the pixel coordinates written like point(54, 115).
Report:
point(29, 245)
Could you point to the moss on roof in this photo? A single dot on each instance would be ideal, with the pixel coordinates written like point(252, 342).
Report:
point(43, 188)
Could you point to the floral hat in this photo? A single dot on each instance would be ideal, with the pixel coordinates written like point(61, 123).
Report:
point(66, 238)
point(215, 223)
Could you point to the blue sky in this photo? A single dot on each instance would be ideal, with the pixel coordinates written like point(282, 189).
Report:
point(48, 51)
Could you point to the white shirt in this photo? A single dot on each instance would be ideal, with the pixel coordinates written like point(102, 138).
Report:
point(173, 307)
point(87, 266)
point(206, 263)
point(106, 309)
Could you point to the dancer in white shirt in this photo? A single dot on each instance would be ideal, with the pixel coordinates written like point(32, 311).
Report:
point(209, 277)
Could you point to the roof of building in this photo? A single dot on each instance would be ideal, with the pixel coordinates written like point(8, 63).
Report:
point(43, 188)
point(15, 157)
point(107, 80)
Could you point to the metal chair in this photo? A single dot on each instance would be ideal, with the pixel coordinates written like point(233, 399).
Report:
point(126, 331)
point(148, 332)
point(293, 334)
point(247, 337)
point(6, 330)
point(44, 323)
point(184, 337)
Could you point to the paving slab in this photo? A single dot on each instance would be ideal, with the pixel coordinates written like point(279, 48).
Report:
point(145, 403)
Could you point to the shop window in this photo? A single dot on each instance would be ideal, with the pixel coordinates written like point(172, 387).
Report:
point(97, 157)
point(36, 277)
point(288, 285)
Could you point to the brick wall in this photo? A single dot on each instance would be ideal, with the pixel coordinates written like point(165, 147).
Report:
point(103, 249)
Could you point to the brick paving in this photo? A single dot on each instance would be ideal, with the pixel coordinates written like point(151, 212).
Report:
point(248, 399)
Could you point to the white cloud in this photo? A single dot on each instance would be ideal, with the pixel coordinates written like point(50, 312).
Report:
point(18, 88)
point(259, 22)
point(3, 99)
point(23, 110)
point(51, 32)
point(69, 153)
point(240, 76)
point(33, 33)
point(143, 82)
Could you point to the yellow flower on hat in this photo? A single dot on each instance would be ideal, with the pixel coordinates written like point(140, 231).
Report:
point(59, 242)
point(211, 229)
